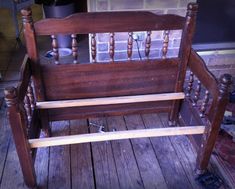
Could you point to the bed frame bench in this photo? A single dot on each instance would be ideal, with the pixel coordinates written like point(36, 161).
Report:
point(50, 92)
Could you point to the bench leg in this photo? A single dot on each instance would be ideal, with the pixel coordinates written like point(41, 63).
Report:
point(215, 115)
point(45, 122)
point(206, 148)
point(174, 113)
point(18, 123)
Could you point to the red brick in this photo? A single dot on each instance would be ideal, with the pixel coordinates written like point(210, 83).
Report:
point(103, 37)
point(181, 11)
point(175, 34)
point(184, 3)
point(161, 4)
point(103, 47)
point(101, 5)
point(156, 35)
point(123, 4)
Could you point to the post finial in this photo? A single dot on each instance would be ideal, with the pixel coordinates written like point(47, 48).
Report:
point(10, 96)
point(225, 82)
point(26, 11)
point(192, 7)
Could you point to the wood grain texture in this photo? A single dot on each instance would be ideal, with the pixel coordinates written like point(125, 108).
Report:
point(185, 152)
point(169, 162)
point(148, 165)
point(42, 166)
point(103, 159)
point(108, 101)
point(127, 168)
point(12, 178)
point(4, 139)
point(109, 22)
point(59, 164)
point(203, 74)
point(97, 137)
point(108, 110)
point(184, 53)
point(25, 75)
point(105, 80)
point(81, 159)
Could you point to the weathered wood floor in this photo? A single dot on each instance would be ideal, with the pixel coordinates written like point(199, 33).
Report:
point(163, 162)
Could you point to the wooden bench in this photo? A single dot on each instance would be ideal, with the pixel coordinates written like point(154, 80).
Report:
point(49, 92)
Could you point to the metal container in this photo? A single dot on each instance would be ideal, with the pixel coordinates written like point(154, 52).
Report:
point(60, 11)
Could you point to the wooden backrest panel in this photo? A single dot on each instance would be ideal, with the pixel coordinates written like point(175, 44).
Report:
point(54, 82)
point(72, 81)
point(102, 22)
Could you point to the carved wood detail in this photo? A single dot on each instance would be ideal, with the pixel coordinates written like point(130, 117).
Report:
point(93, 47)
point(165, 43)
point(111, 46)
point(55, 49)
point(148, 44)
point(129, 45)
point(74, 48)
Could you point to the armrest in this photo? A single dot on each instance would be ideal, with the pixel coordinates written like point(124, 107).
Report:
point(25, 76)
point(20, 100)
point(218, 90)
point(198, 67)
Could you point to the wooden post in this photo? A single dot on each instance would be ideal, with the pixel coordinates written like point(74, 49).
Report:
point(31, 45)
point(18, 125)
point(215, 117)
point(184, 53)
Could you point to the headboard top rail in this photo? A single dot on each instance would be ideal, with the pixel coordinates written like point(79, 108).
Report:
point(103, 22)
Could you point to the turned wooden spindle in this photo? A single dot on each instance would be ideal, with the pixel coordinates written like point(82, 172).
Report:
point(129, 45)
point(30, 94)
point(93, 47)
point(148, 44)
point(74, 48)
point(190, 84)
point(197, 93)
point(165, 44)
point(204, 104)
point(55, 49)
point(28, 109)
point(111, 47)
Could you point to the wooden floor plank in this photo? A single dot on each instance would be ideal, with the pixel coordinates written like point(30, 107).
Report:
point(4, 139)
point(147, 162)
point(127, 168)
point(167, 157)
point(59, 165)
point(103, 160)
point(81, 160)
point(41, 167)
point(185, 153)
point(12, 176)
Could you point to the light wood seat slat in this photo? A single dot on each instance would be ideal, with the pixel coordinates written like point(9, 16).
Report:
point(117, 135)
point(109, 100)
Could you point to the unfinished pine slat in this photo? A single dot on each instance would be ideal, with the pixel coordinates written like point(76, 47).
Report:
point(109, 100)
point(96, 137)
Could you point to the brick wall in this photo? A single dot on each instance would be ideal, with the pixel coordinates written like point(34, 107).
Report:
point(217, 63)
point(160, 7)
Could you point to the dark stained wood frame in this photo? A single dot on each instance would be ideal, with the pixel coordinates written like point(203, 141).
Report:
point(112, 79)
